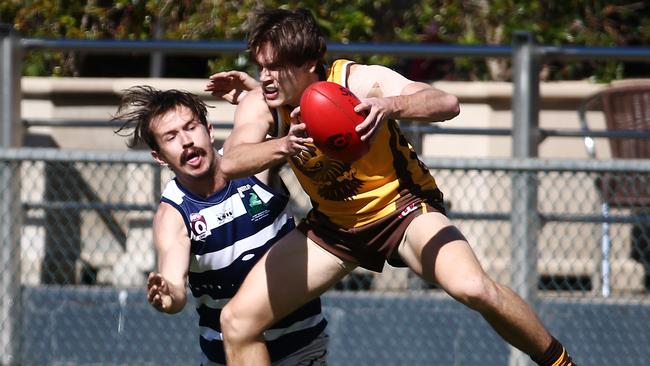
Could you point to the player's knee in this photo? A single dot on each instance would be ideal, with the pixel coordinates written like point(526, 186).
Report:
point(234, 326)
point(477, 292)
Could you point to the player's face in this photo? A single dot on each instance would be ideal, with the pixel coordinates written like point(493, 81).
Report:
point(282, 84)
point(185, 145)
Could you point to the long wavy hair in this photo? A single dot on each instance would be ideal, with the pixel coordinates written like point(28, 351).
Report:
point(294, 35)
point(141, 104)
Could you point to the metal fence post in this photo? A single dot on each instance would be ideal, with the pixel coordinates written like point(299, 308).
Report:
point(157, 61)
point(10, 210)
point(524, 217)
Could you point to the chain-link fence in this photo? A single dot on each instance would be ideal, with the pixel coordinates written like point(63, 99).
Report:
point(77, 246)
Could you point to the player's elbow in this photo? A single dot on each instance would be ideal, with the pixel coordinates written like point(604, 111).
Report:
point(450, 107)
point(228, 168)
point(175, 309)
point(177, 305)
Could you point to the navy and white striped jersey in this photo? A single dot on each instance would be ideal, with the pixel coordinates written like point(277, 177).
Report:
point(229, 232)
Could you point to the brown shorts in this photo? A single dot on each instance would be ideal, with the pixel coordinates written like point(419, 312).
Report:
point(369, 246)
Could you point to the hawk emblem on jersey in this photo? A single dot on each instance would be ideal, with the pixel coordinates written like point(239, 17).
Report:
point(336, 180)
point(199, 226)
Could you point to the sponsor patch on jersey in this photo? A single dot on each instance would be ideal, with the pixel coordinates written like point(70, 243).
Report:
point(199, 226)
point(255, 206)
point(408, 209)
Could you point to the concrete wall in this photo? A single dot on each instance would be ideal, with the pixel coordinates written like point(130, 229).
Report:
point(483, 105)
point(79, 99)
point(488, 105)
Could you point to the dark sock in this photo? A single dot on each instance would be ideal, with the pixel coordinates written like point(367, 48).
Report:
point(555, 355)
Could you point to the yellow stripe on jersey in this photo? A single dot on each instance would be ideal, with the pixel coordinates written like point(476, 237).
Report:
point(563, 360)
point(354, 194)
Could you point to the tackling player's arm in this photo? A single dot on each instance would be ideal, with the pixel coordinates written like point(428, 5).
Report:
point(231, 86)
point(386, 94)
point(166, 289)
point(248, 150)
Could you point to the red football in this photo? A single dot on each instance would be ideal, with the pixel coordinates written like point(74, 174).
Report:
point(327, 109)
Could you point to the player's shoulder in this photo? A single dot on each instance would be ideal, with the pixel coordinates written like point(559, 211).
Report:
point(166, 213)
point(353, 67)
point(370, 69)
point(376, 81)
point(169, 226)
point(253, 99)
point(253, 107)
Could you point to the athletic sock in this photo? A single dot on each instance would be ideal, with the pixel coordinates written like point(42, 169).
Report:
point(555, 355)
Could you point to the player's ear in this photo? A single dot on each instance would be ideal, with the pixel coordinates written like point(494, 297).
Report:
point(312, 65)
point(157, 157)
point(210, 131)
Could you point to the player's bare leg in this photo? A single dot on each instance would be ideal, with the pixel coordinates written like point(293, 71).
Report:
point(294, 271)
point(437, 251)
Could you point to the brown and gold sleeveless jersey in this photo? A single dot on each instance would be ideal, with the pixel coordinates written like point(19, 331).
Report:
point(357, 193)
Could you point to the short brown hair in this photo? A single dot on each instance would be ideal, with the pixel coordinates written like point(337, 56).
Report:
point(141, 104)
point(294, 35)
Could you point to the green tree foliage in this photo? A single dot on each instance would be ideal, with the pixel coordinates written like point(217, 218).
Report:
point(466, 22)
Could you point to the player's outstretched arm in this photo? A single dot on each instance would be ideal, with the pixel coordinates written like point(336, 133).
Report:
point(386, 94)
point(231, 86)
point(166, 289)
point(422, 102)
point(249, 149)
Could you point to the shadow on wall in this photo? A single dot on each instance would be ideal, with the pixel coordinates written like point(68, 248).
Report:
point(65, 193)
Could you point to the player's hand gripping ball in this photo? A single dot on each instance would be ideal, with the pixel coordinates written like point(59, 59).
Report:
point(327, 109)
